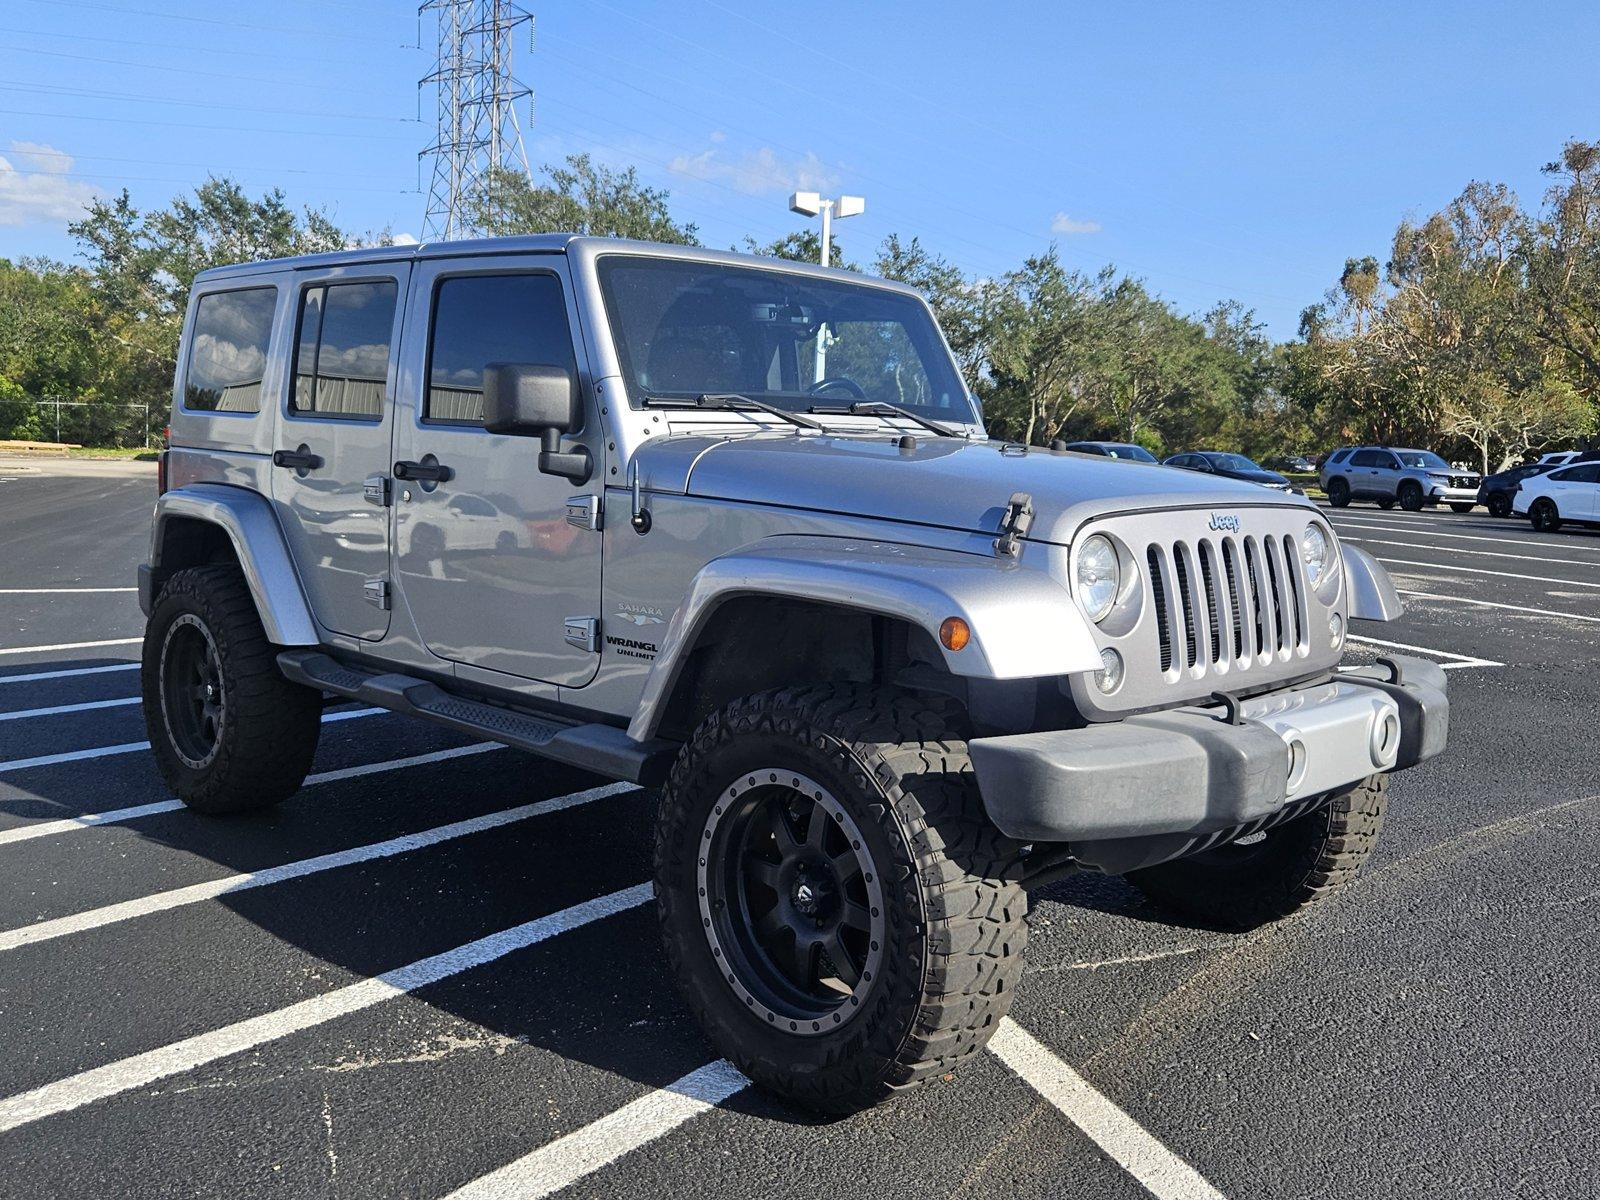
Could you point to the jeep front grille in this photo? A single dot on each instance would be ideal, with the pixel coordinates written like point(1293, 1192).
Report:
point(1251, 587)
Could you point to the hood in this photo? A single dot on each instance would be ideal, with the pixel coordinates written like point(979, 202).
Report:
point(950, 483)
point(1259, 477)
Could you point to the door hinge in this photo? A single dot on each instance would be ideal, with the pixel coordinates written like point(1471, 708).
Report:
point(376, 592)
point(584, 633)
point(375, 490)
point(583, 511)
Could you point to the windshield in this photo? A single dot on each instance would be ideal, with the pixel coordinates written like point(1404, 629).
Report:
point(1137, 453)
point(1422, 458)
point(684, 329)
point(1232, 462)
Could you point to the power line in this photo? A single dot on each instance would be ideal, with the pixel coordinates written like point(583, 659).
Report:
point(186, 71)
point(189, 181)
point(230, 24)
point(23, 112)
point(16, 85)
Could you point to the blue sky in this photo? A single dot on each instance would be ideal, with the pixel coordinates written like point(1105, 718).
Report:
point(1216, 150)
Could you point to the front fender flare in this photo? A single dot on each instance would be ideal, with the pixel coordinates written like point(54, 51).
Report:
point(246, 517)
point(1024, 624)
point(1372, 592)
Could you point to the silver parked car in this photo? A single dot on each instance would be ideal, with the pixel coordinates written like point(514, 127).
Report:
point(733, 529)
point(1387, 475)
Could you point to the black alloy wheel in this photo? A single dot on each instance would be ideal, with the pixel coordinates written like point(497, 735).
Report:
point(790, 900)
point(1411, 496)
point(1338, 492)
point(1499, 504)
point(193, 699)
point(1545, 516)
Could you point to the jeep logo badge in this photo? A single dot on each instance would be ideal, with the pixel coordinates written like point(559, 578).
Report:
point(1225, 521)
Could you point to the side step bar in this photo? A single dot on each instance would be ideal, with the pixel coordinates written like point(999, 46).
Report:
point(604, 749)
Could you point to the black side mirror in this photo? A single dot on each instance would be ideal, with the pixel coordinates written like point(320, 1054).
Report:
point(534, 399)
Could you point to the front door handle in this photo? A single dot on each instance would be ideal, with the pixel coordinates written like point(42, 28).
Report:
point(427, 471)
point(300, 460)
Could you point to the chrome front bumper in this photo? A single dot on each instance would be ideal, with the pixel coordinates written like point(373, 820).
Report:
point(1153, 787)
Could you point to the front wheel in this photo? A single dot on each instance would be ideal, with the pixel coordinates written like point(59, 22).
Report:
point(1411, 496)
point(837, 910)
point(1545, 516)
point(1461, 508)
point(1499, 504)
point(1386, 503)
point(228, 731)
point(1248, 883)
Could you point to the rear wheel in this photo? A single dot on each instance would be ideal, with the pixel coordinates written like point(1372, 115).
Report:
point(837, 910)
point(228, 731)
point(1248, 883)
point(1411, 496)
point(1386, 503)
point(1338, 492)
point(1545, 516)
point(1499, 504)
point(1461, 508)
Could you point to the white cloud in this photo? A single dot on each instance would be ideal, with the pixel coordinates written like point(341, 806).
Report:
point(403, 239)
point(38, 191)
point(757, 172)
point(1063, 224)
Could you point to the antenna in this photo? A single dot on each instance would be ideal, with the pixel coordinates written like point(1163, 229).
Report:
point(476, 97)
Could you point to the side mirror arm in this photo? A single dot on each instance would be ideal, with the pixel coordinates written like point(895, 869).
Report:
point(576, 465)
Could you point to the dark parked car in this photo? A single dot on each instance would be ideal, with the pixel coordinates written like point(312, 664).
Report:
point(1229, 466)
point(1298, 463)
point(1112, 450)
point(1495, 492)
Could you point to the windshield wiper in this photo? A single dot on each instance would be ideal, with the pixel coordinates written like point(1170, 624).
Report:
point(732, 402)
point(883, 408)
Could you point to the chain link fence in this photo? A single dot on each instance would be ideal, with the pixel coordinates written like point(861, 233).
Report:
point(86, 423)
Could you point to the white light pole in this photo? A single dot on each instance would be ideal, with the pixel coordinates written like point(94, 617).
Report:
point(810, 204)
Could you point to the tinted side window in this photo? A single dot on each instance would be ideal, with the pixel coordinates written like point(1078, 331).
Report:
point(1577, 475)
point(482, 319)
point(342, 357)
point(1366, 458)
point(228, 351)
point(1339, 456)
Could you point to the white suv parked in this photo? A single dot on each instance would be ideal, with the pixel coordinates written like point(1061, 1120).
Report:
point(1570, 494)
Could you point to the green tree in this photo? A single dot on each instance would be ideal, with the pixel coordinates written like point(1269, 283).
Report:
point(581, 196)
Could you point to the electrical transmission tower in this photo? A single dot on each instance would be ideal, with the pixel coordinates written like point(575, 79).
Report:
point(476, 97)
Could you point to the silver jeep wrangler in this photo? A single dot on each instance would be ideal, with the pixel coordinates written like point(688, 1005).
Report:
point(732, 528)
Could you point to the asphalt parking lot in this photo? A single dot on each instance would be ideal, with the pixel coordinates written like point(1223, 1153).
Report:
point(434, 968)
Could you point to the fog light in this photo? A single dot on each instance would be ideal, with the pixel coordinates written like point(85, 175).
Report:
point(1109, 677)
point(1335, 628)
point(955, 633)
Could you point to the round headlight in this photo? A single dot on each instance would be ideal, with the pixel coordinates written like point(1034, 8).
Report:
point(1099, 576)
point(1314, 552)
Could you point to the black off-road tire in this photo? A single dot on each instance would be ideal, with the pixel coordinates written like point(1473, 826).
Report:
point(1411, 498)
point(1294, 865)
point(1339, 492)
point(1544, 515)
point(953, 911)
point(1461, 508)
point(267, 732)
point(1386, 503)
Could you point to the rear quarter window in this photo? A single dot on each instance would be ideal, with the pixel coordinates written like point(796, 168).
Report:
point(228, 350)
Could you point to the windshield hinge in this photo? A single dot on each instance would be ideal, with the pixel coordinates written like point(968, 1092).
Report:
point(1014, 525)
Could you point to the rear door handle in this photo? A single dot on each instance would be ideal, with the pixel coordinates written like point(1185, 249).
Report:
point(423, 472)
point(301, 459)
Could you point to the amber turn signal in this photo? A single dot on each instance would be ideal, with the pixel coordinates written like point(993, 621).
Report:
point(954, 633)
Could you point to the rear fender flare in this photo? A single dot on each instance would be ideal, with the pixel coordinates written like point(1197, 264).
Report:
point(247, 518)
point(1024, 623)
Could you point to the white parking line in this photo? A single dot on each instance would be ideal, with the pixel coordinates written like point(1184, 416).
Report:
point(57, 709)
point(128, 910)
point(1451, 569)
point(60, 591)
point(1459, 661)
point(100, 1083)
point(1568, 562)
point(1473, 537)
point(38, 676)
point(1537, 612)
point(584, 1151)
point(26, 833)
point(71, 646)
point(1128, 1143)
point(48, 760)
